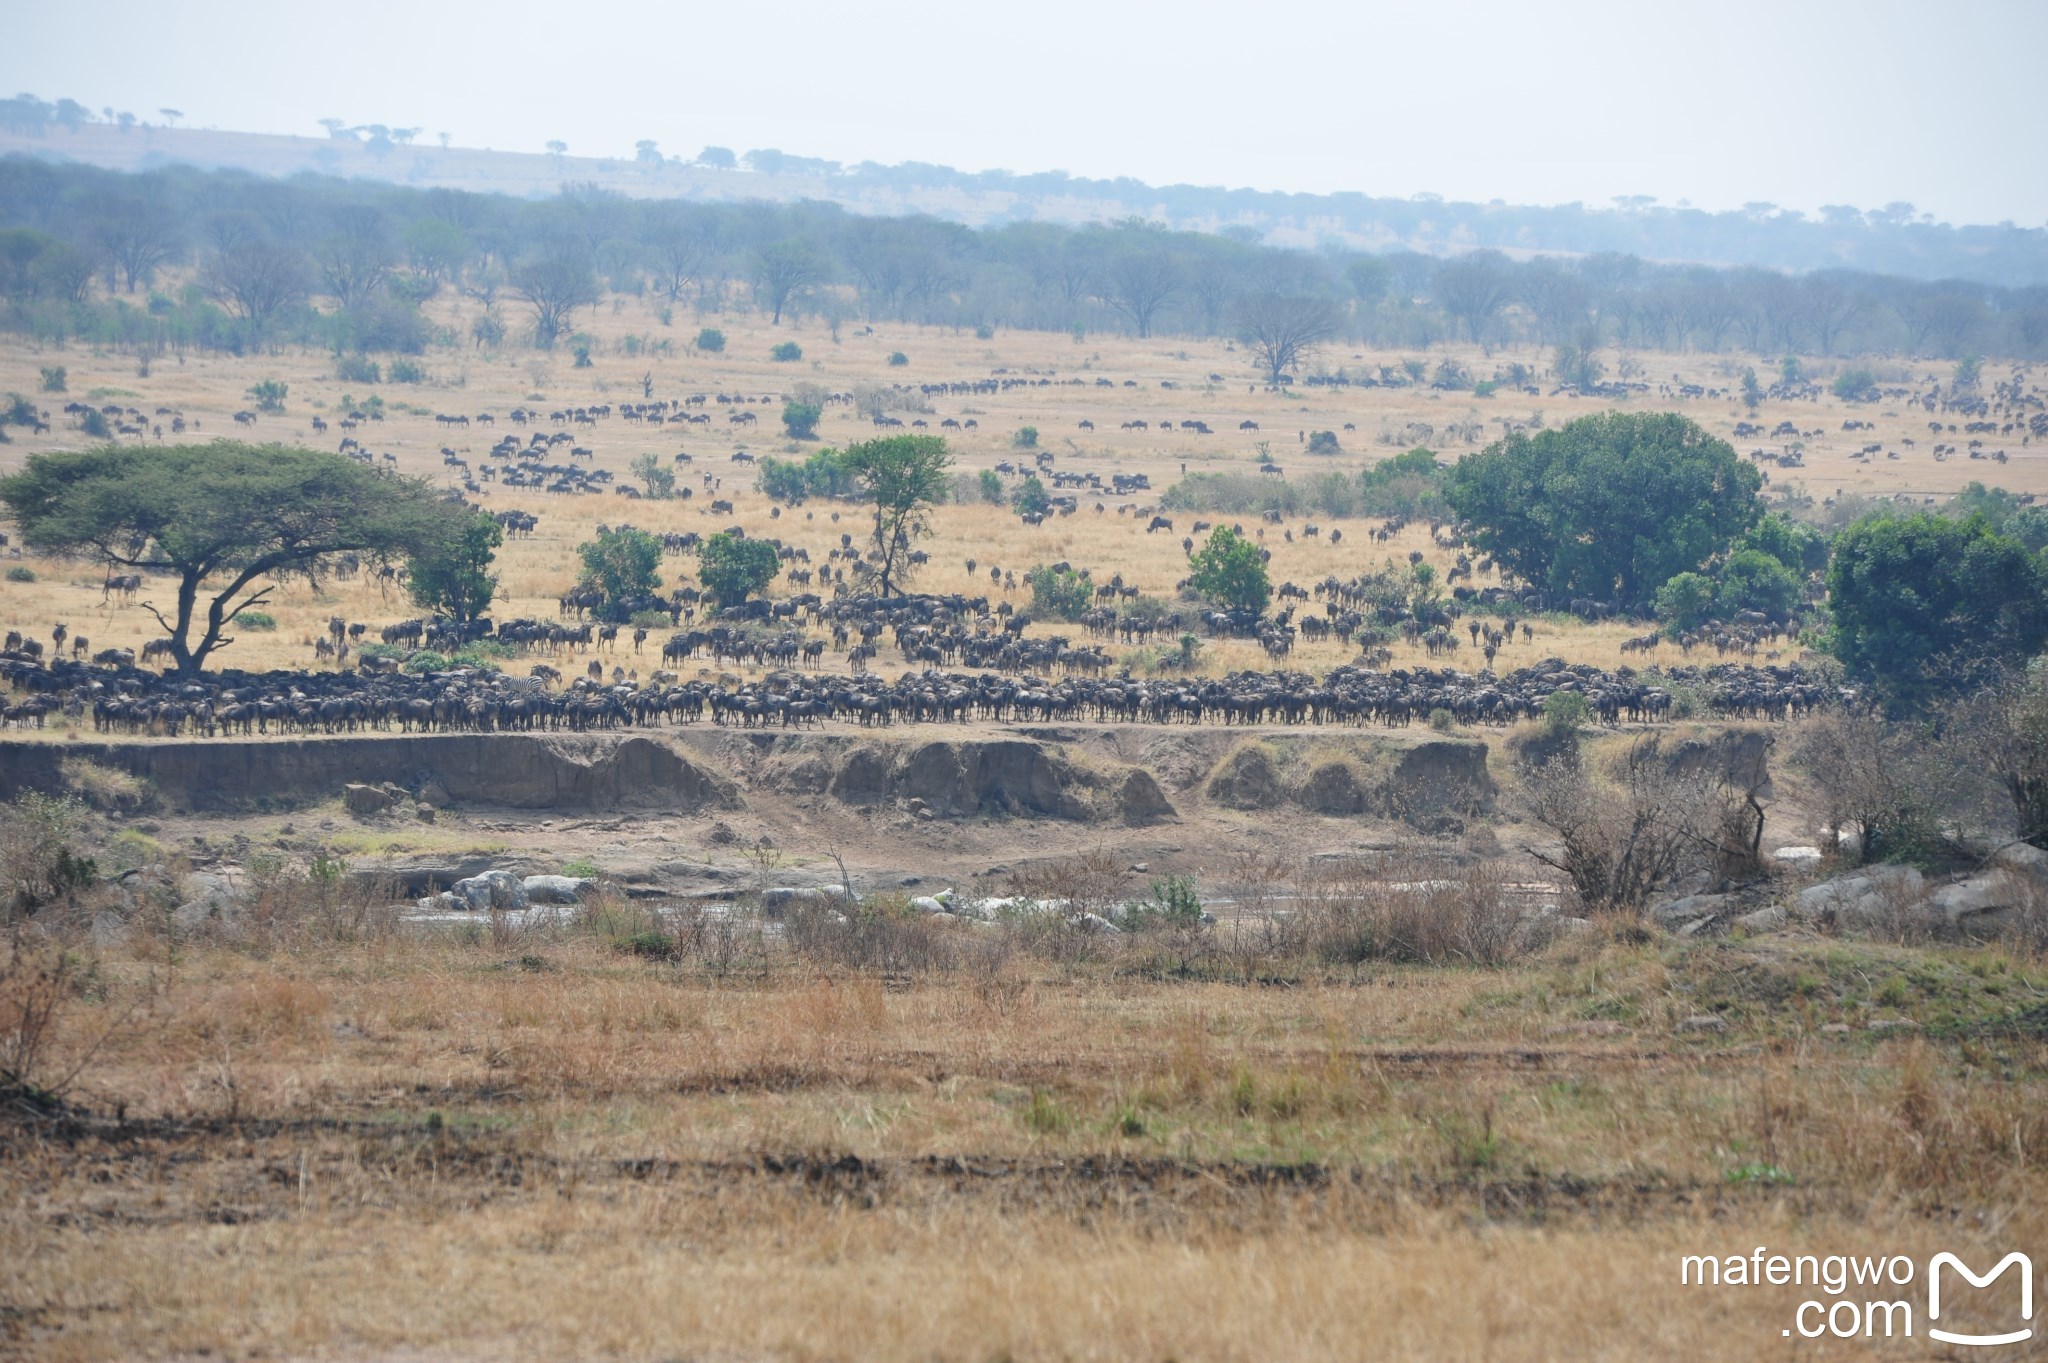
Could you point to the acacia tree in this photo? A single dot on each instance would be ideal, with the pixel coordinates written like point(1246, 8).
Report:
point(678, 249)
point(1280, 328)
point(904, 476)
point(1473, 288)
point(554, 287)
point(1139, 277)
point(781, 270)
point(226, 520)
point(255, 279)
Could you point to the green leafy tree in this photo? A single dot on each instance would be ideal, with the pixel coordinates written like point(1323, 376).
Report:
point(657, 478)
point(1855, 385)
point(1059, 591)
point(620, 563)
point(2007, 514)
point(1229, 571)
point(825, 474)
point(1608, 507)
point(269, 395)
point(1752, 389)
point(904, 476)
point(453, 575)
point(225, 520)
point(1686, 600)
point(1752, 580)
point(801, 419)
point(991, 485)
point(733, 569)
point(1410, 484)
point(1924, 604)
point(1031, 498)
point(1795, 544)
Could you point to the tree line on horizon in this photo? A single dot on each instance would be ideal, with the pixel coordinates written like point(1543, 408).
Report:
point(1895, 238)
point(178, 257)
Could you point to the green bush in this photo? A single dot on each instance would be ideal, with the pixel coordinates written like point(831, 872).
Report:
point(1031, 498)
point(19, 412)
point(1026, 438)
point(408, 371)
point(1442, 720)
point(1324, 442)
point(897, 359)
point(426, 660)
point(787, 352)
point(357, 369)
point(20, 574)
point(54, 377)
point(262, 622)
point(1059, 592)
point(1685, 600)
point(988, 333)
point(1855, 385)
point(583, 868)
point(991, 486)
point(94, 424)
point(824, 474)
point(269, 395)
point(1565, 713)
point(801, 419)
point(710, 340)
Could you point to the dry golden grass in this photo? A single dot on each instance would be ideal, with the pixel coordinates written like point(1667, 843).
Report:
point(398, 1146)
point(535, 572)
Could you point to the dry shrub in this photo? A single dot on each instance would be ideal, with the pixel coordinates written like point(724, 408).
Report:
point(1642, 824)
point(1414, 910)
point(881, 933)
point(105, 789)
point(41, 1057)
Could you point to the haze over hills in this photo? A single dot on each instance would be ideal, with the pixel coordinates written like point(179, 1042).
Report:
point(1893, 239)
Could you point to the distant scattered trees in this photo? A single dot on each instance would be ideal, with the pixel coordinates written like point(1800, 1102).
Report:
point(371, 253)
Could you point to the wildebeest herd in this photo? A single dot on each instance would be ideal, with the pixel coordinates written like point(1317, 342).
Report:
point(121, 698)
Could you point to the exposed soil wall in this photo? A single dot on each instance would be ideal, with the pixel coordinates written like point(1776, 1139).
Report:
point(1131, 775)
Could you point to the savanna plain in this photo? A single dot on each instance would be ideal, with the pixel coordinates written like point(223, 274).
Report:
point(1359, 1114)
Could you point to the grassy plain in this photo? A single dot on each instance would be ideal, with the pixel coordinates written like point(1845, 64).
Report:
point(363, 1144)
point(1177, 379)
point(332, 1137)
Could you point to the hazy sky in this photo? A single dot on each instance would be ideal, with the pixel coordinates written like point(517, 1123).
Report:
point(1798, 103)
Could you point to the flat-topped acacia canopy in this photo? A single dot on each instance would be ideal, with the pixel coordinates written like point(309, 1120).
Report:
point(226, 518)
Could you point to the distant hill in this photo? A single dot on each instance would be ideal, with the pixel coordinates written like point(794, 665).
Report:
point(1892, 240)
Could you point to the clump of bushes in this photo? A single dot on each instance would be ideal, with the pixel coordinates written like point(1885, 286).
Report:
point(787, 352)
point(710, 340)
